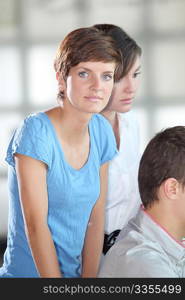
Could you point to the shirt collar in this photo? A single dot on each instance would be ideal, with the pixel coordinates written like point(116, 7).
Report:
point(156, 232)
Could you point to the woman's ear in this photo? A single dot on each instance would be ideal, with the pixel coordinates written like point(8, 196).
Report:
point(61, 81)
point(57, 75)
point(171, 188)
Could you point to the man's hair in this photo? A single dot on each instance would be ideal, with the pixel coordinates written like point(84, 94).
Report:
point(163, 158)
point(128, 47)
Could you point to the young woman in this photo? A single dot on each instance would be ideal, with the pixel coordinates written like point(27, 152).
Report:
point(58, 165)
point(123, 197)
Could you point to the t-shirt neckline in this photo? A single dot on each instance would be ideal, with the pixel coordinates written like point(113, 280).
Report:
point(60, 146)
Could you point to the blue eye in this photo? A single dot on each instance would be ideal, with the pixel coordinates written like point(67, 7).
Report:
point(107, 77)
point(83, 74)
point(136, 74)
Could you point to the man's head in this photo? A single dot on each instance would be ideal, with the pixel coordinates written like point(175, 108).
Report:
point(162, 163)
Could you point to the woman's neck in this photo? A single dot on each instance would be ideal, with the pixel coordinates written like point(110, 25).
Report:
point(112, 117)
point(74, 125)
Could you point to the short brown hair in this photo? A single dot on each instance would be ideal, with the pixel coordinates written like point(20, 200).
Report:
point(163, 158)
point(85, 44)
point(128, 47)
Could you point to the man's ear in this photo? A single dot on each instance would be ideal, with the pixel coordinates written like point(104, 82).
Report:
point(171, 188)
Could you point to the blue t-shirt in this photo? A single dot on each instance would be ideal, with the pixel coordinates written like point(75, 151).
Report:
point(71, 193)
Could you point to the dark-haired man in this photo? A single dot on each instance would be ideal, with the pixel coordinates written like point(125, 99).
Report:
point(151, 245)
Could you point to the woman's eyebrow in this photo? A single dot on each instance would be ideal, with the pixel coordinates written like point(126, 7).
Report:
point(89, 70)
point(138, 68)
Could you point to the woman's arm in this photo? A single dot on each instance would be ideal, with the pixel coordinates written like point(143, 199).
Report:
point(31, 175)
point(95, 232)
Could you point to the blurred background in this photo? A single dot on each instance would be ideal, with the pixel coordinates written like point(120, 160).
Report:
point(30, 31)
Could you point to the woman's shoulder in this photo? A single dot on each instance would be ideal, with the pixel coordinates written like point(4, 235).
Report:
point(129, 122)
point(102, 128)
point(101, 122)
point(104, 137)
point(33, 127)
point(37, 119)
point(31, 138)
point(35, 123)
point(129, 117)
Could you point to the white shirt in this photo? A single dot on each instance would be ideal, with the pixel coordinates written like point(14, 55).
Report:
point(123, 198)
point(143, 250)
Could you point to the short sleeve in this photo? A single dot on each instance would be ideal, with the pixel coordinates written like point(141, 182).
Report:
point(31, 139)
point(105, 139)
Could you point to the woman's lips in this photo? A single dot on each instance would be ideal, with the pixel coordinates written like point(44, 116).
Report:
point(126, 101)
point(93, 98)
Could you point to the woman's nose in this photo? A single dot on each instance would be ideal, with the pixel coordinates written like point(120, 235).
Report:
point(96, 83)
point(130, 85)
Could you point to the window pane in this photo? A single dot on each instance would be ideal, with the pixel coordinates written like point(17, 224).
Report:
point(3, 207)
point(47, 19)
point(168, 15)
point(127, 14)
point(41, 75)
point(169, 116)
point(8, 122)
point(141, 116)
point(168, 65)
point(8, 26)
point(10, 84)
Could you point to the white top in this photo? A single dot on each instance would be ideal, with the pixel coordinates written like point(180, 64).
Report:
point(123, 198)
point(144, 250)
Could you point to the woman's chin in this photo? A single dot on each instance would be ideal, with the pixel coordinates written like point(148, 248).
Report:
point(126, 108)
